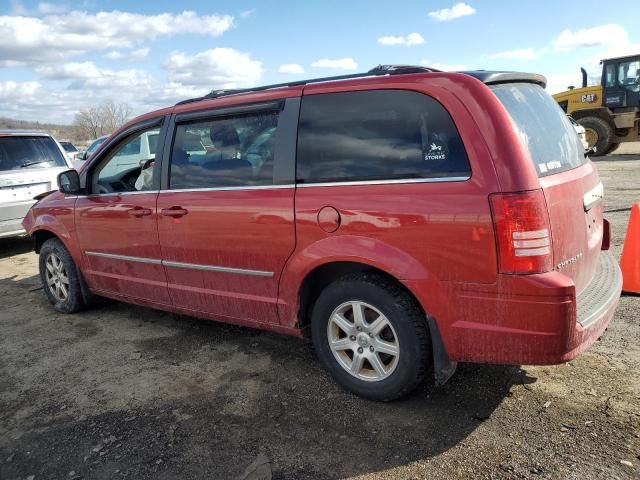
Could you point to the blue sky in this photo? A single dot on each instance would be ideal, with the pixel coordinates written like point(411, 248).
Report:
point(59, 57)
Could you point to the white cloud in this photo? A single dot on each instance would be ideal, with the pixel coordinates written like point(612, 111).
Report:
point(410, 40)
point(11, 89)
point(56, 37)
point(215, 68)
point(293, 68)
point(336, 64)
point(48, 8)
point(248, 13)
point(458, 10)
point(517, 54)
point(447, 67)
point(72, 70)
point(589, 46)
point(601, 36)
point(137, 54)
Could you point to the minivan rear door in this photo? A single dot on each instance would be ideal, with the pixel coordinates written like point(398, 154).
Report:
point(572, 188)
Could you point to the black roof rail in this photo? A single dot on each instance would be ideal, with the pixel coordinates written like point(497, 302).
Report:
point(380, 70)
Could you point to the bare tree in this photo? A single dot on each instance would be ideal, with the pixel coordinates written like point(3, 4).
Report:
point(94, 122)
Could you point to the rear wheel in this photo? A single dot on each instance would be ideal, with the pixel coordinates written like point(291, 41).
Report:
point(371, 336)
point(599, 134)
point(59, 276)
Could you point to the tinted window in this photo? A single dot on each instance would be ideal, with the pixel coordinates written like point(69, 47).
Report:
point(230, 152)
point(610, 75)
point(20, 152)
point(542, 127)
point(373, 135)
point(68, 147)
point(96, 143)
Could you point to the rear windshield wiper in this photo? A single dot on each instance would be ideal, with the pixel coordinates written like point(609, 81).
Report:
point(32, 163)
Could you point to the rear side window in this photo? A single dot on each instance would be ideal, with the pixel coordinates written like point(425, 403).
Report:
point(377, 135)
point(543, 128)
point(20, 152)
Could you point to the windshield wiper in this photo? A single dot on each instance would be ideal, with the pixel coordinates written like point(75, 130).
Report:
point(32, 163)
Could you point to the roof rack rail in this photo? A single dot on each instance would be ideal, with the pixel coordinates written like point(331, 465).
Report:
point(380, 70)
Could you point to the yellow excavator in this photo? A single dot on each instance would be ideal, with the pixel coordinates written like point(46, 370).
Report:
point(609, 112)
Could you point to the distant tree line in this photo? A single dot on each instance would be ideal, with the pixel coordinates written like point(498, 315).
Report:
point(93, 122)
point(89, 123)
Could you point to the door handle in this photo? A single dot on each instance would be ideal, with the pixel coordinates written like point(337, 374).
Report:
point(174, 212)
point(139, 212)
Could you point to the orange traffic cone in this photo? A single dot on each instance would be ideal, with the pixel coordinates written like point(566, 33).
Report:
point(630, 260)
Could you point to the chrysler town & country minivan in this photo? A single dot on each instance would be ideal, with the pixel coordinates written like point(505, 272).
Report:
point(401, 218)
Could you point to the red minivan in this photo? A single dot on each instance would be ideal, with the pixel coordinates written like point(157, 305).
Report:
point(401, 218)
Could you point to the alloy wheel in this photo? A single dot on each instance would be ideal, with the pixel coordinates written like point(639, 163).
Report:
point(57, 277)
point(363, 341)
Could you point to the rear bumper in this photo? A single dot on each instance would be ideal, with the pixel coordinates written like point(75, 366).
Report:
point(11, 215)
point(531, 319)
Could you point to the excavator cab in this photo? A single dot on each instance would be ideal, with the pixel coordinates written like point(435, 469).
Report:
point(621, 82)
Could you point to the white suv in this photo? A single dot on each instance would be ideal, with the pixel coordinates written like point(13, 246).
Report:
point(29, 165)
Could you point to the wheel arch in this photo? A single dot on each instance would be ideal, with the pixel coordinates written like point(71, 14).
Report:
point(324, 274)
point(42, 235)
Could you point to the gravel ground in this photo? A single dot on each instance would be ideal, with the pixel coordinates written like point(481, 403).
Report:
point(125, 392)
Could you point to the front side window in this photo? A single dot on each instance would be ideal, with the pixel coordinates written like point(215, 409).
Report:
point(128, 167)
point(377, 135)
point(225, 152)
point(18, 152)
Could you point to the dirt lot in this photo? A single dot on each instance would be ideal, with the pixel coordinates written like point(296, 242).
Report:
point(126, 392)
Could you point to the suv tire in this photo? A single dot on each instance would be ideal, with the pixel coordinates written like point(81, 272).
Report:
point(60, 278)
point(380, 315)
point(602, 131)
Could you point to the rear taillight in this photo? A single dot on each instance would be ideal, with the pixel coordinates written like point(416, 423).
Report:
point(522, 229)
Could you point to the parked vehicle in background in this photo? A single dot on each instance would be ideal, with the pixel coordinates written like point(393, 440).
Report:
point(582, 133)
point(91, 149)
point(70, 150)
point(29, 165)
point(400, 218)
point(610, 111)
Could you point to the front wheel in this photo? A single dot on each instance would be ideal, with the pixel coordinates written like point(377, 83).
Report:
point(371, 336)
point(59, 276)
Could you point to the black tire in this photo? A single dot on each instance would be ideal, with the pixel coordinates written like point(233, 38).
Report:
point(613, 148)
point(73, 301)
point(603, 132)
point(408, 325)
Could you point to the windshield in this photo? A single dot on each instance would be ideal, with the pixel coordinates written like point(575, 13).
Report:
point(68, 147)
point(96, 143)
point(542, 127)
point(20, 152)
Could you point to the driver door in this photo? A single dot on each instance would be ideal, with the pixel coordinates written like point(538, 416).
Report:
point(117, 223)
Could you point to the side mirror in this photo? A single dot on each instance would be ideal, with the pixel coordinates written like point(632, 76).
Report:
point(69, 182)
point(81, 156)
